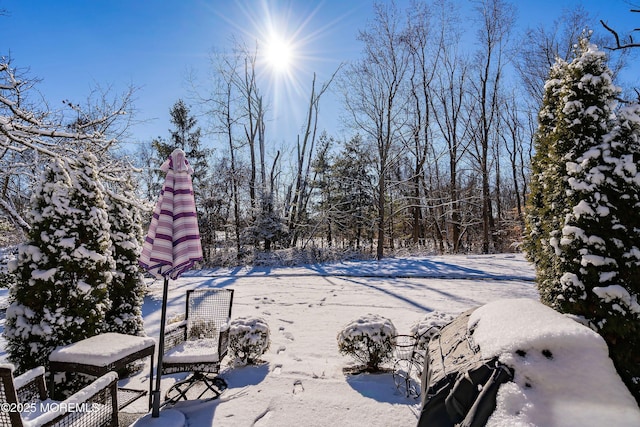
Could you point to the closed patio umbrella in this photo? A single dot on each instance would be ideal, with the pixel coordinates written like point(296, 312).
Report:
point(172, 244)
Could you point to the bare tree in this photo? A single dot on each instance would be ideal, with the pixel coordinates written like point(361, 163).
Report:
point(246, 83)
point(513, 135)
point(496, 19)
point(147, 161)
point(305, 152)
point(425, 48)
point(542, 45)
point(222, 103)
point(228, 121)
point(372, 97)
point(451, 105)
point(627, 42)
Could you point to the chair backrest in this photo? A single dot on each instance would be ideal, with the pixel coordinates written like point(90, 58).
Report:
point(8, 395)
point(207, 311)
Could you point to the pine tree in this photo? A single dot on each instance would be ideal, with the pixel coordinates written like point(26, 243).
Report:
point(127, 287)
point(585, 118)
point(583, 207)
point(186, 136)
point(352, 193)
point(546, 197)
point(618, 289)
point(63, 272)
point(321, 169)
point(267, 227)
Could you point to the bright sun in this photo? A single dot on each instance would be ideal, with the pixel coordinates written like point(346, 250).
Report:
point(279, 54)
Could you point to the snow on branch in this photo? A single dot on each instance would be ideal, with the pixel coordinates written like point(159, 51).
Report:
point(31, 133)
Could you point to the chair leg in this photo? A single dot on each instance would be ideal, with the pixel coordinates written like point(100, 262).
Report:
point(180, 390)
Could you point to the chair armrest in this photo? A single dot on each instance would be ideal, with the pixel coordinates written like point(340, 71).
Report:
point(223, 340)
point(108, 380)
point(95, 404)
point(169, 328)
point(30, 386)
point(175, 334)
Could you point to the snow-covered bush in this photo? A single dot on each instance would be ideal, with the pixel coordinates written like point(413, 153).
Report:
point(248, 339)
point(200, 328)
point(429, 326)
point(64, 270)
point(370, 340)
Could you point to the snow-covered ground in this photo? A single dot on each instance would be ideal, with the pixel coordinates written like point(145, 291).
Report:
point(303, 380)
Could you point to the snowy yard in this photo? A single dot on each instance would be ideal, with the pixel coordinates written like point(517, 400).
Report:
point(302, 381)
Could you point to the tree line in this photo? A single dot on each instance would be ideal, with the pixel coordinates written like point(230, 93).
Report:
point(440, 118)
point(437, 154)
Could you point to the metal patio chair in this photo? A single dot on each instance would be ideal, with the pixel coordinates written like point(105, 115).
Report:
point(409, 360)
point(407, 367)
point(198, 344)
point(24, 401)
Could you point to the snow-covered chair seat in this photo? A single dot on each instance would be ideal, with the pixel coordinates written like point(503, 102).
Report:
point(24, 401)
point(198, 344)
point(203, 350)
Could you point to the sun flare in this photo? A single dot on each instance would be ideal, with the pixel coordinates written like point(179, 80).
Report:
point(279, 54)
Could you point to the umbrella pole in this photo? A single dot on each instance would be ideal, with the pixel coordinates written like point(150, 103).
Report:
point(163, 318)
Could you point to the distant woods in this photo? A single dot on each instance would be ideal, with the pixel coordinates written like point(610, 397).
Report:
point(434, 150)
point(440, 119)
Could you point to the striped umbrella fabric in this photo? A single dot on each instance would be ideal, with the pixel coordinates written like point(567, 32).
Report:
point(173, 244)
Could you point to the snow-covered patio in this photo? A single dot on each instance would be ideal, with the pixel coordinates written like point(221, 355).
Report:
point(302, 381)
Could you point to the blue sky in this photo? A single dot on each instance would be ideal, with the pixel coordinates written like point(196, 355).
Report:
point(75, 45)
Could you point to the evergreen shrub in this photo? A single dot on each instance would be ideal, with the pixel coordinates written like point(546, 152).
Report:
point(370, 340)
point(248, 339)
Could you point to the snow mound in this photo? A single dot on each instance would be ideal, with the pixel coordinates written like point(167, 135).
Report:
point(563, 375)
point(520, 324)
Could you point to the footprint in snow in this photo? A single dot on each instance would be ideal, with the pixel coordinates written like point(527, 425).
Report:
point(287, 335)
point(281, 349)
point(298, 387)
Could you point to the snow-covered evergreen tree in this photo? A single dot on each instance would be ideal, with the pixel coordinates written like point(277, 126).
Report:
point(127, 287)
point(590, 184)
point(64, 270)
point(545, 204)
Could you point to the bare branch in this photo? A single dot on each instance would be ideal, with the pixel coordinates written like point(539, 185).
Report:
point(621, 45)
point(32, 133)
